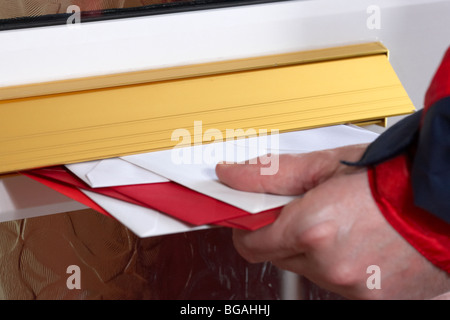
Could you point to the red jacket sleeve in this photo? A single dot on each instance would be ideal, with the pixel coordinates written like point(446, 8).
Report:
point(411, 184)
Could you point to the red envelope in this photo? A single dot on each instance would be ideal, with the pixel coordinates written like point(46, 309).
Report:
point(253, 221)
point(168, 197)
point(68, 191)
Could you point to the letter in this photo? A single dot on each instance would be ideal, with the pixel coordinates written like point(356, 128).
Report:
point(253, 309)
point(213, 135)
point(236, 309)
point(74, 281)
point(229, 146)
point(374, 281)
point(264, 309)
point(210, 310)
point(271, 158)
point(227, 309)
point(374, 20)
point(184, 145)
point(212, 152)
point(183, 310)
point(198, 130)
point(192, 310)
point(240, 134)
point(203, 310)
point(262, 145)
point(253, 149)
point(75, 19)
point(244, 309)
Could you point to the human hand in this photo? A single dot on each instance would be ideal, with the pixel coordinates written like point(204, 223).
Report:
point(335, 231)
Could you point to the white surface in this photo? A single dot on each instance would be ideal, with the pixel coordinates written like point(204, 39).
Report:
point(198, 173)
point(416, 31)
point(22, 197)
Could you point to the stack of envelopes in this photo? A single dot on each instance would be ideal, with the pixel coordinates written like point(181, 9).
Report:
point(177, 190)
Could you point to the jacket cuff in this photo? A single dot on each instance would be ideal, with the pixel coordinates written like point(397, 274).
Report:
point(392, 191)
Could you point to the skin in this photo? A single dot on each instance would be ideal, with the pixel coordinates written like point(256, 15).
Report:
point(334, 230)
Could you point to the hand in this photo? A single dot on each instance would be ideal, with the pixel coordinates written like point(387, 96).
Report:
point(335, 231)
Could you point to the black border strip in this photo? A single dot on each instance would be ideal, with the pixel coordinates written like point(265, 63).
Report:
point(121, 13)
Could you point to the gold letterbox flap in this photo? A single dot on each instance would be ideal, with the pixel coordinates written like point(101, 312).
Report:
point(108, 116)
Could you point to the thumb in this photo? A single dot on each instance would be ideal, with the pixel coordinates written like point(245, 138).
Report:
point(295, 174)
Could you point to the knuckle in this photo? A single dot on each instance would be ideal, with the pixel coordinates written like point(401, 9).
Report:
point(317, 236)
point(342, 274)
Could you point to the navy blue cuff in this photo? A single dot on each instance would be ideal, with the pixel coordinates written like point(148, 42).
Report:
point(430, 172)
point(392, 142)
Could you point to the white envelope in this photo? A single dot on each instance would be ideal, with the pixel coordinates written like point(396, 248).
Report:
point(82, 168)
point(142, 221)
point(194, 167)
point(113, 172)
point(201, 177)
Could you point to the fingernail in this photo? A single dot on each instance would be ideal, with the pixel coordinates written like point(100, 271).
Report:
point(225, 163)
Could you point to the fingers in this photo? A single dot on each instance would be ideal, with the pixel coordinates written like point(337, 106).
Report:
point(268, 243)
point(295, 232)
point(296, 264)
point(305, 226)
point(261, 245)
point(294, 175)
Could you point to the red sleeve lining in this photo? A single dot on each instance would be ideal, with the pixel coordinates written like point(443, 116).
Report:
point(426, 233)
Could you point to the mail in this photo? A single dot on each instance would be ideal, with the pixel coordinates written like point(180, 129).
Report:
point(177, 190)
